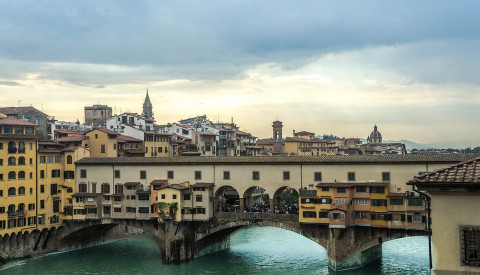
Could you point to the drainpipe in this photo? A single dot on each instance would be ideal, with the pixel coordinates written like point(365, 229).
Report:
point(429, 231)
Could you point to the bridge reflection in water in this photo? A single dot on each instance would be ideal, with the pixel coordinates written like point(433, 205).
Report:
point(253, 250)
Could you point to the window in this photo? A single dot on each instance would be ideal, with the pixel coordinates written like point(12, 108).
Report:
point(361, 201)
point(323, 214)
point(42, 188)
point(42, 159)
point(21, 175)
point(21, 190)
point(361, 189)
point(12, 191)
point(21, 147)
point(12, 161)
point(377, 189)
point(117, 209)
point(174, 196)
point(417, 218)
point(118, 189)
point(49, 159)
point(469, 246)
point(385, 176)
point(1, 162)
point(325, 189)
point(117, 174)
point(69, 174)
point(21, 161)
point(31, 161)
point(198, 175)
point(186, 197)
point(117, 198)
point(56, 173)
point(12, 175)
point(83, 173)
point(42, 204)
point(143, 174)
point(143, 210)
point(340, 189)
point(198, 198)
point(42, 174)
point(226, 175)
point(1, 146)
point(351, 176)
point(144, 197)
point(170, 175)
point(396, 201)
point(309, 214)
point(317, 176)
point(255, 175)
point(82, 188)
point(163, 196)
point(379, 202)
point(286, 175)
point(105, 188)
point(58, 159)
point(102, 148)
point(414, 202)
point(69, 160)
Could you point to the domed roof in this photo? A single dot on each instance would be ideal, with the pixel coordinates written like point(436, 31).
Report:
point(375, 133)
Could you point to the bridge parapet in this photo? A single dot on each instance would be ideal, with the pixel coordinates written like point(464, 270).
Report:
point(256, 216)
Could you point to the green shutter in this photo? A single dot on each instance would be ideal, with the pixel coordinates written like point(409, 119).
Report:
point(403, 217)
point(409, 218)
point(56, 206)
point(388, 217)
point(424, 219)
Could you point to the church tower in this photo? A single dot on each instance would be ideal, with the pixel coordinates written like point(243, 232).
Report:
point(147, 108)
point(375, 137)
point(277, 137)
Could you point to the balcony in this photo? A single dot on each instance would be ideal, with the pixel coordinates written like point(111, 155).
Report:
point(21, 213)
point(11, 214)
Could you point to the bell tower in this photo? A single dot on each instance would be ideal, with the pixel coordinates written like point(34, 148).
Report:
point(147, 108)
point(277, 137)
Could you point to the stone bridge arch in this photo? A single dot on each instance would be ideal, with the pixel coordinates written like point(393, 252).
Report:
point(227, 199)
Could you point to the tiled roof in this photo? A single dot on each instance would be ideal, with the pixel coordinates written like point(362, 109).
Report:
point(14, 122)
point(134, 151)
point(203, 184)
point(86, 194)
point(176, 186)
point(304, 133)
point(72, 138)
point(265, 142)
point(40, 150)
point(123, 138)
point(17, 110)
point(159, 182)
point(314, 140)
point(352, 183)
point(464, 172)
point(337, 159)
point(107, 131)
point(70, 132)
point(10, 136)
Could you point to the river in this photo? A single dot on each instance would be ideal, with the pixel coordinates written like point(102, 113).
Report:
point(255, 250)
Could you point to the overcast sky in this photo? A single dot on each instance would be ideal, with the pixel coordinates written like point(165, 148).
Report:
point(335, 67)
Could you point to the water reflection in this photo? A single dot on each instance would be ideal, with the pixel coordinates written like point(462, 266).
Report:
point(255, 250)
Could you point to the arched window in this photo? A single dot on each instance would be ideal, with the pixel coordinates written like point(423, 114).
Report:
point(21, 190)
point(11, 208)
point(21, 206)
point(21, 161)
point(21, 175)
point(11, 161)
point(12, 147)
point(21, 147)
point(12, 175)
point(69, 160)
point(12, 191)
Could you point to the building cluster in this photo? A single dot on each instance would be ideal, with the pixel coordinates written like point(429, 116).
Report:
point(361, 203)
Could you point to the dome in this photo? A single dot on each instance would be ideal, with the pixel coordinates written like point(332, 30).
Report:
point(375, 133)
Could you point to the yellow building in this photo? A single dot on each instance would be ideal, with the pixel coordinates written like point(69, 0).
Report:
point(309, 147)
point(102, 143)
point(18, 145)
point(156, 144)
point(169, 195)
point(314, 205)
point(378, 204)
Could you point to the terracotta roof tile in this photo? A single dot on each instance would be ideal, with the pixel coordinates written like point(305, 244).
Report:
point(352, 183)
point(467, 172)
point(14, 122)
point(203, 184)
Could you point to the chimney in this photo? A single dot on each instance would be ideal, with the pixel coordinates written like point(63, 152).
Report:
point(294, 133)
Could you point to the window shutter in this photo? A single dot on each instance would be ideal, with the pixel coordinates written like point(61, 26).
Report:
point(373, 217)
point(388, 217)
point(424, 219)
point(403, 217)
point(330, 216)
point(409, 218)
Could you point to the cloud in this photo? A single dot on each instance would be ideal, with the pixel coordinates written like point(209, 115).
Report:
point(9, 83)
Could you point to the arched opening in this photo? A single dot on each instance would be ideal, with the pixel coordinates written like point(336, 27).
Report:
point(69, 159)
point(12, 175)
point(256, 199)
point(12, 191)
point(227, 199)
point(21, 147)
point(12, 161)
point(12, 147)
point(21, 161)
point(21, 175)
point(21, 190)
point(285, 201)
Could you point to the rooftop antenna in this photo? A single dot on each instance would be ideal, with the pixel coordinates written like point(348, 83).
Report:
point(19, 102)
